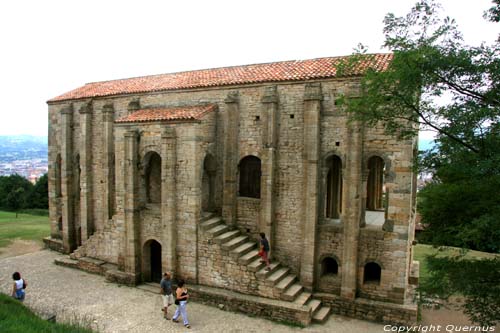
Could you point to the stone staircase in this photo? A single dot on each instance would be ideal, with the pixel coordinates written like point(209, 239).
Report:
point(244, 251)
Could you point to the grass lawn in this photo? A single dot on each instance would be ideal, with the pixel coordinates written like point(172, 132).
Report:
point(422, 250)
point(15, 317)
point(28, 227)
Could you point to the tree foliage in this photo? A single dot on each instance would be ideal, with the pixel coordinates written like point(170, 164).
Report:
point(16, 192)
point(436, 82)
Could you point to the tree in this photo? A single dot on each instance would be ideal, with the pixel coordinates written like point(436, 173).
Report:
point(39, 196)
point(15, 199)
point(9, 184)
point(437, 82)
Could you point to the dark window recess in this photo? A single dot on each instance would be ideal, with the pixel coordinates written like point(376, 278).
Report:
point(257, 118)
point(250, 177)
point(329, 266)
point(337, 143)
point(292, 116)
point(372, 273)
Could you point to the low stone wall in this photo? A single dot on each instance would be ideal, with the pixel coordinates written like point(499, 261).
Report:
point(53, 244)
point(394, 314)
point(286, 312)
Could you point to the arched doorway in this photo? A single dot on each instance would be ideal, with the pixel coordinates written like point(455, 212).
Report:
point(151, 263)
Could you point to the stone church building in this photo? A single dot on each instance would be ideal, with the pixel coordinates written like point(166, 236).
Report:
point(181, 172)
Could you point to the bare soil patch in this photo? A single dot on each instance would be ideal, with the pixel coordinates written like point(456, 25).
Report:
point(19, 247)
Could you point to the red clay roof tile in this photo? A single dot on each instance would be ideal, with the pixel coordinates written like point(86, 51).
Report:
point(270, 72)
point(174, 113)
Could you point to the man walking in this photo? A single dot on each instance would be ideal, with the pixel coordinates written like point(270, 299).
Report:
point(166, 293)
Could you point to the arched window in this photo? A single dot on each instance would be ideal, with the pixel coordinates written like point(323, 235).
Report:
point(58, 176)
point(329, 266)
point(372, 273)
point(375, 184)
point(153, 178)
point(250, 177)
point(334, 187)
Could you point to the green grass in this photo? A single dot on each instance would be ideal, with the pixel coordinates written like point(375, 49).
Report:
point(15, 317)
point(422, 250)
point(25, 226)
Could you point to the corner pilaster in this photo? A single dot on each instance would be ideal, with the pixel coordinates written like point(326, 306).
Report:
point(68, 223)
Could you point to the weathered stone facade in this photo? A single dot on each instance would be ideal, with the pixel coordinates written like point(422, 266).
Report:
point(135, 193)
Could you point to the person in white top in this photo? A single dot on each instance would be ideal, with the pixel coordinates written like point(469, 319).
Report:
point(18, 287)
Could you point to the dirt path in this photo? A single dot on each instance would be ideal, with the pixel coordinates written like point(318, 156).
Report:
point(19, 247)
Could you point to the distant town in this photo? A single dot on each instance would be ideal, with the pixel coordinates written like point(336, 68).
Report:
point(25, 155)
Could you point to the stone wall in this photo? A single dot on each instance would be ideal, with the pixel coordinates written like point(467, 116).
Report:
point(194, 257)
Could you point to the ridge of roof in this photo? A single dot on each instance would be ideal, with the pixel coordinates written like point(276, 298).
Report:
point(281, 71)
point(193, 112)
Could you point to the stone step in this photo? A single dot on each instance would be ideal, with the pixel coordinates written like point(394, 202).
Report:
point(234, 243)
point(264, 273)
point(314, 305)
point(303, 298)
point(242, 250)
point(291, 293)
point(249, 257)
point(286, 282)
point(205, 216)
point(209, 224)
point(218, 230)
point(226, 237)
point(66, 261)
point(277, 276)
point(256, 265)
point(322, 314)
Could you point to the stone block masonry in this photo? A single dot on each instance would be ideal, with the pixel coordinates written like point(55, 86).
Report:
point(133, 173)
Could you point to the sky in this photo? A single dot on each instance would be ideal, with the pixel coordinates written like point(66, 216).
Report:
point(50, 47)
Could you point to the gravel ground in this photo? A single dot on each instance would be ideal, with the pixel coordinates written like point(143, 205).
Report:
point(74, 295)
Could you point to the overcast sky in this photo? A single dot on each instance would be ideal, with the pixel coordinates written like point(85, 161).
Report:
point(50, 47)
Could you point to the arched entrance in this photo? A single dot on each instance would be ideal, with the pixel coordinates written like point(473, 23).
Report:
point(151, 261)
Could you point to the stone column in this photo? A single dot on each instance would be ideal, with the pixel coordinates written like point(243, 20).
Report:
point(86, 221)
point(108, 149)
point(312, 126)
point(68, 223)
point(131, 179)
point(230, 159)
point(168, 198)
point(352, 209)
point(269, 142)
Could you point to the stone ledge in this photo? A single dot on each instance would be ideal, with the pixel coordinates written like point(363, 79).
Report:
point(377, 311)
point(53, 244)
point(120, 277)
point(272, 309)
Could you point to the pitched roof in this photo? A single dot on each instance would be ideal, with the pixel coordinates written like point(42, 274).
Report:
point(295, 70)
point(174, 113)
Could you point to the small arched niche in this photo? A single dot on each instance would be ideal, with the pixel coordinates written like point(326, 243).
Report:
point(208, 184)
point(152, 177)
point(329, 267)
point(333, 187)
point(372, 273)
